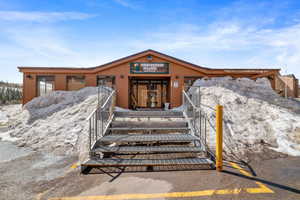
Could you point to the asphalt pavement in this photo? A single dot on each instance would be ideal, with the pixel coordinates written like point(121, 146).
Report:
point(26, 174)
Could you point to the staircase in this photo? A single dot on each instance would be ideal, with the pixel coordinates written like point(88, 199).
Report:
point(150, 140)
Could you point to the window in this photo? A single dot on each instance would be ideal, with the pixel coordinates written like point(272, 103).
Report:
point(108, 81)
point(75, 82)
point(45, 85)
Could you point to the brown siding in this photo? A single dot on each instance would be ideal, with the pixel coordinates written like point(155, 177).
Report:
point(91, 80)
point(60, 82)
point(29, 87)
point(296, 88)
point(121, 72)
point(290, 82)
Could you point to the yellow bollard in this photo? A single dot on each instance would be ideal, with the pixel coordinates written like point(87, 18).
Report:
point(219, 137)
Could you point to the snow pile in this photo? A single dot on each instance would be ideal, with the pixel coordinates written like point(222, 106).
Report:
point(254, 115)
point(3, 118)
point(7, 112)
point(56, 122)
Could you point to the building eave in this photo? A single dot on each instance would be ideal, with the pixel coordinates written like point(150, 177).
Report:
point(129, 58)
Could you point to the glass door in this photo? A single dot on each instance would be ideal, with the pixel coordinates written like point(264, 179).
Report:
point(148, 93)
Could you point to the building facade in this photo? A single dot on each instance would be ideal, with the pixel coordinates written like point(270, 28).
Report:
point(148, 79)
point(287, 85)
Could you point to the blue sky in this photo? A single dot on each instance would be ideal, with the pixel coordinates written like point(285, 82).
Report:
point(211, 33)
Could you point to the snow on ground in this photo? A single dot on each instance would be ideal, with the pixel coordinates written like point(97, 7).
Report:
point(255, 115)
point(119, 109)
point(3, 118)
point(7, 112)
point(55, 122)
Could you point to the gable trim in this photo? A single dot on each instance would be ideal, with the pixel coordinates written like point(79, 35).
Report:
point(97, 69)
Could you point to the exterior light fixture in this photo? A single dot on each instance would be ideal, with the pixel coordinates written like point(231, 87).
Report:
point(29, 76)
point(149, 57)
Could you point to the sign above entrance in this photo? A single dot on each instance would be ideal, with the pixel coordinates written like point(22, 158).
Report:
point(149, 68)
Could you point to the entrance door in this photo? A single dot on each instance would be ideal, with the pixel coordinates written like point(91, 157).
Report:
point(148, 93)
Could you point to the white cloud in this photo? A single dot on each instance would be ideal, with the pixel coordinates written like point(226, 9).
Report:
point(42, 16)
point(41, 40)
point(246, 44)
point(125, 3)
point(224, 42)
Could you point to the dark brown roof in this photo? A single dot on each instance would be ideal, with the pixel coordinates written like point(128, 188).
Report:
point(143, 52)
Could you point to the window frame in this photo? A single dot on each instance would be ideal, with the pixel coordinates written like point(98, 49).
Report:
point(105, 78)
point(75, 76)
point(46, 79)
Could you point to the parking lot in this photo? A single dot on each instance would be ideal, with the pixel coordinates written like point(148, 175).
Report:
point(33, 175)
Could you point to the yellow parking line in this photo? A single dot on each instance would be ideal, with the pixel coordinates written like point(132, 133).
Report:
point(234, 191)
point(74, 166)
point(164, 195)
point(261, 189)
point(152, 196)
point(236, 166)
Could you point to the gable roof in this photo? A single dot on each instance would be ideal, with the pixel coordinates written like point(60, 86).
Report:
point(139, 55)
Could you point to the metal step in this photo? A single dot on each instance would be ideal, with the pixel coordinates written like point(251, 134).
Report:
point(148, 149)
point(146, 162)
point(149, 124)
point(164, 114)
point(149, 128)
point(148, 138)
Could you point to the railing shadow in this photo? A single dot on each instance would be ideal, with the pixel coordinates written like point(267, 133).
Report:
point(270, 183)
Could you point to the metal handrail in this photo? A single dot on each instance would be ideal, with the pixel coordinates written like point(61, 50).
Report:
point(107, 100)
point(198, 121)
point(101, 117)
point(189, 100)
point(208, 120)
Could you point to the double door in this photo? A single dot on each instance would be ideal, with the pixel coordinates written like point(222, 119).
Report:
point(148, 93)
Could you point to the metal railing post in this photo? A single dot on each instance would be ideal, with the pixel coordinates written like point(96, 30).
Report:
point(200, 122)
point(199, 97)
point(102, 122)
point(205, 141)
point(96, 125)
point(194, 120)
point(219, 137)
point(183, 98)
point(90, 134)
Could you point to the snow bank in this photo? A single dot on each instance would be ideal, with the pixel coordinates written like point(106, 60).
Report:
point(3, 118)
point(255, 116)
point(7, 112)
point(56, 122)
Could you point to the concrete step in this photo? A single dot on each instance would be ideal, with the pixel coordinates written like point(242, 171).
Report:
point(148, 149)
point(147, 138)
